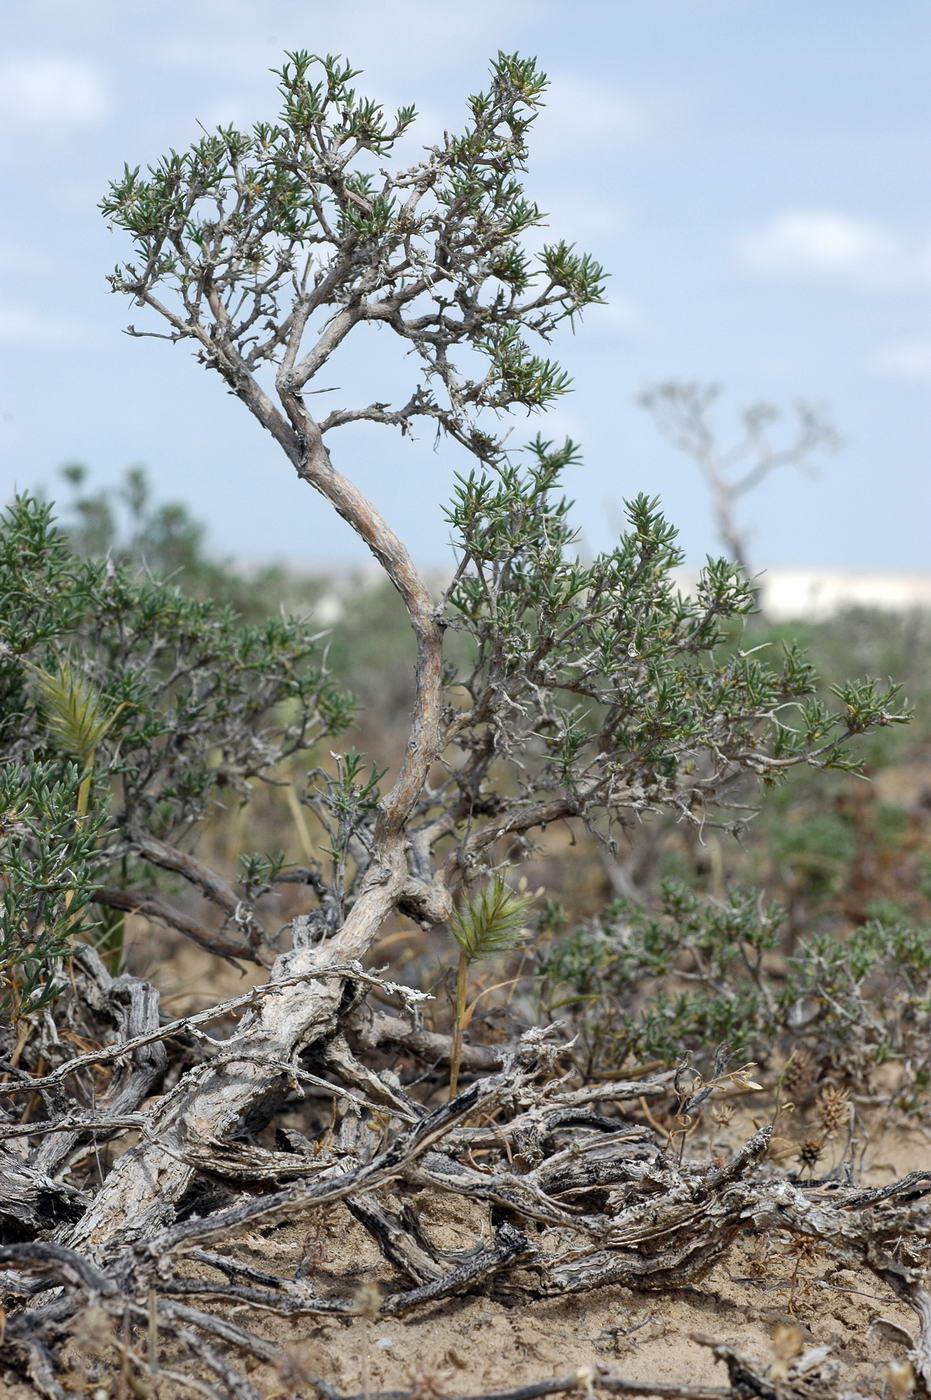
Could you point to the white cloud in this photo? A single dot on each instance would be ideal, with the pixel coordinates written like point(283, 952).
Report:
point(907, 359)
point(27, 329)
point(46, 92)
point(371, 34)
point(582, 115)
point(824, 243)
point(816, 241)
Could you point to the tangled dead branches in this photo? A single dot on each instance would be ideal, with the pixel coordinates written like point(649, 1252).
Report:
point(575, 1191)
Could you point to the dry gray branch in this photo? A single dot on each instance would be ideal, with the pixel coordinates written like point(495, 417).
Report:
point(615, 1206)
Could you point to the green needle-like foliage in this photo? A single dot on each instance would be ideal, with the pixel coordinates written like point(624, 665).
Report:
point(49, 862)
point(270, 245)
point(128, 713)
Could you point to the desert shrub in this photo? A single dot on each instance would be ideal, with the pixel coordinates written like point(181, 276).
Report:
point(547, 690)
point(519, 623)
point(697, 973)
point(639, 986)
point(128, 712)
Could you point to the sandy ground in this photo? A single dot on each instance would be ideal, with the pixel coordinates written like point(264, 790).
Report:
point(474, 1345)
point(761, 1293)
point(482, 1345)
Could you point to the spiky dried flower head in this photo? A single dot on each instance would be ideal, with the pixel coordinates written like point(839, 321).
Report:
point(810, 1151)
point(804, 1249)
point(800, 1072)
point(787, 1340)
point(428, 1384)
point(832, 1107)
point(368, 1300)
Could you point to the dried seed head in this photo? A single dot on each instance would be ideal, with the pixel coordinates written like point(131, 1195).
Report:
point(428, 1385)
point(780, 1148)
point(759, 1260)
point(832, 1107)
point(804, 1249)
point(298, 1364)
point(722, 1113)
point(787, 1340)
point(585, 1379)
point(809, 1153)
point(741, 1077)
point(800, 1072)
point(368, 1300)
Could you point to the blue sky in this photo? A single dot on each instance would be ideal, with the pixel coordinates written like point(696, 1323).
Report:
point(753, 175)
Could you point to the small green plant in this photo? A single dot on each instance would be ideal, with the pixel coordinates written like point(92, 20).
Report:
point(698, 972)
point(49, 865)
point(76, 717)
point(78, 723)
point(129, 713)
point(493, 922)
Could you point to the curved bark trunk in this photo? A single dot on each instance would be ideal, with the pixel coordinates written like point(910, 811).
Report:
point(149, 1180)
point(146, 1183)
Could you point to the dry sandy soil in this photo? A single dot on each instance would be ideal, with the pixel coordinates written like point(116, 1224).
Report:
point(762, 1298)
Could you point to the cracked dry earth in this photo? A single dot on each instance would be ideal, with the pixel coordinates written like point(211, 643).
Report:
point(760, 1295)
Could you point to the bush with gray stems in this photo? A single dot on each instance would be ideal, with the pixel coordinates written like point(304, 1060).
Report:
point(591, 692)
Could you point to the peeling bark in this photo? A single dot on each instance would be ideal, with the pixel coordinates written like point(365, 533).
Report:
point(144, 1185)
